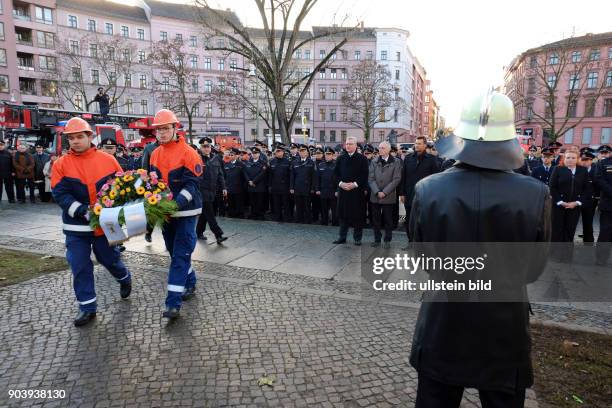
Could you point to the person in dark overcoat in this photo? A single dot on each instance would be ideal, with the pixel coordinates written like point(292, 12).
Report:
point(482, 345)
point(352, 174)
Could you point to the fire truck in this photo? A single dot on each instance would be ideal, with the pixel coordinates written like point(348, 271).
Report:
point(32, 124)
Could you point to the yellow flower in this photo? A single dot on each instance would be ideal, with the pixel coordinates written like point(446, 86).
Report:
point(148, 194)
point(161, 186)
point(152, 200)
point(113, 194)
point(103, 199)
point(127, 189)
point(157, 191)
point(117, 180)
point(97, 209)
point(140, 190)
point(122, 192)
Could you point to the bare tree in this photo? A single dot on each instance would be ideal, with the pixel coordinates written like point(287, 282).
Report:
point(548, 70)
point(272, 61)
point(107, 58)
point(370, 93)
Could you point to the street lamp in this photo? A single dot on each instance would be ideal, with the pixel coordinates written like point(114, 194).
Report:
point(253, 74)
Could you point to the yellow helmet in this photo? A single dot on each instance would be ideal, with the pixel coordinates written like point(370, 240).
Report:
point(486, 135)
point(487, 118)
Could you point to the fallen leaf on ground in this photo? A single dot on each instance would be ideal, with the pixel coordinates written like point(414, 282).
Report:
point(577, 399)
point(269, 381)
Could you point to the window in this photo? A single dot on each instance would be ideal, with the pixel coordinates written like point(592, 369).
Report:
point(594, 55)
point(322, 93)
point(2, 30)
point(111, 53)
point(342, 135)
point(553, 59)
point(610, 53)
point(163, 36)
point(533, 61)
point(129, 106)
point(551, 81)
point(143, 81)
point(357, 55)
point(140, 33)
point(395, 114)
point(334, 56)
point(91, 25)
point(322, 73)
point(127, 57)
point(125, 31)
point(207, 63)
point(322, 114)
point(608, 107)
point(397, 74)
point(531, 85)
point(209, 110)
point(47, 63)
point(576, 56)
point(165, 84)
point(112, 78)
point(307, 113)
point(194, 61)
point(383, 55)
point(592, 80)
point(3, 57)
point(609, 78)
point(381, 115)
point(574, 82)
point(321, 54)
point(381, 134)
point(332, 115)
point(234, 87)
point(298, 54)
point(193, 41)
point(589, 107)
point(398, 56)
point(127, 80)
point(74, 47)
point(333, 73)
point(222, 111)
point(48, 88)
point(76, 73)
point(208, 86)
point(4, 84)
point(108, 28)
point(44, 15)
point(571, 109)
point(343, 73)
point(221, 64)
point(306, 54)
point(78, 102)
point(233, 65)
point(587, 132)
point(72, 22)
point(606, 135)
point(144, 106)
point(333, 93)
point(142, 56)
point(221, 85)
point(344, 115)
point(194, 85)
point(45, 40)
point(179, 38)
point(322, 135)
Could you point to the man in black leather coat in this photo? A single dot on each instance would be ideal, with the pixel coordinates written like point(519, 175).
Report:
point(483, 345)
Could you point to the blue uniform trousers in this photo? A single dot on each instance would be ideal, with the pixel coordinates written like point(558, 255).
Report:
point(180, 238)
point(78, 255)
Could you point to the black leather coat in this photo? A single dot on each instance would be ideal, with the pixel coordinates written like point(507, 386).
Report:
point(212, 177)
point(480, 345)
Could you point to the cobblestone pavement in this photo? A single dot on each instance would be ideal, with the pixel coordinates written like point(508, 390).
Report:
point(323, 340)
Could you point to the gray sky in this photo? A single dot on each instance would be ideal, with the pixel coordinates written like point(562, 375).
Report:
point(463, 44)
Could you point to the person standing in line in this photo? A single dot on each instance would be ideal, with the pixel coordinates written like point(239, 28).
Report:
point(211, 178)
point(279, 180)
point(180, 167)
point(75, 180)
point(23, 163)
point(6, 172)
point(479, 344)
point(589, 202)
point(256, 175)
point(40, 159)
point(352, 174)
point(301, 185)
point(603, 180)
point(384, 176)
point(326, 185)
point(568, 184)
point(234, 177)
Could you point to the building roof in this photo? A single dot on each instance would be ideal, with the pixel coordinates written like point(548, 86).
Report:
point(587, 40)
point(186, 12)
point(359, 32)
point(259, 33)
point(106, 8)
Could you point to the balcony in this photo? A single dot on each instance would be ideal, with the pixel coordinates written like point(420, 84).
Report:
point(21, 11)
point(25, 61)
point(27, 86)
point(23, 36)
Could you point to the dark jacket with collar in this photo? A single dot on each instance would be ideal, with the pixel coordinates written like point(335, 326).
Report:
point(326, 181)
point(416, 167)
point(257, 172)
point(6, 164)
point(234, 176)
point(604, 184)
point(302, 180)
point(279, 175)
point(212, 177)
point(542, 174)
point(567, 187)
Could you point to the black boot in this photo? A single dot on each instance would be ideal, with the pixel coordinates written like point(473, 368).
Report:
point(83, 318)
point(148, 237)
point(189, 293)
point(171, 313)
point(125, 289)
point(339, 241)
point(220, 238)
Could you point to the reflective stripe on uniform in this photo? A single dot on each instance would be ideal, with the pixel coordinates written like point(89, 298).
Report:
point(190, 271)
point(79, 228)
point(127, 275)
point(73, 207)
point(86, 302)
point(186, 194)
point(176, 288)
point(187, 213)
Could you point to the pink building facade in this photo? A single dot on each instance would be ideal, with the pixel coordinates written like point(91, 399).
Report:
point(587, 63)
